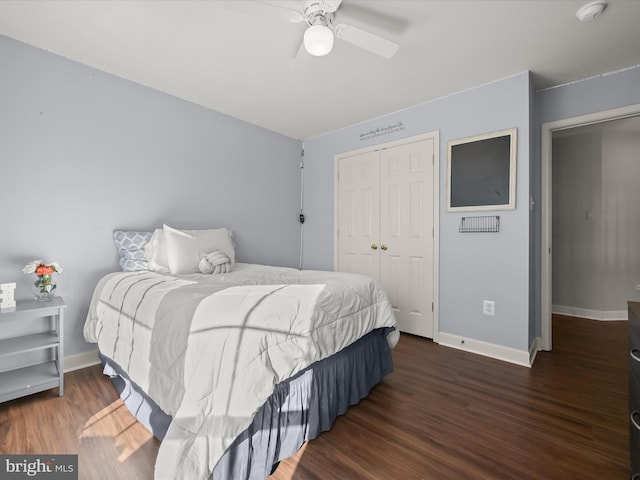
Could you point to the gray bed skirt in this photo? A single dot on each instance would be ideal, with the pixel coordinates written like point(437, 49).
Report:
point(299, 409)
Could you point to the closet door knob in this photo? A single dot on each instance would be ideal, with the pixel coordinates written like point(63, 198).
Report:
point(374, 246)
point(383, 247)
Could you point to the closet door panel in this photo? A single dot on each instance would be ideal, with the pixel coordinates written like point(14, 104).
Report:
point(359, 214)
point(416, 297)
point(392, 281)
point(406, 229)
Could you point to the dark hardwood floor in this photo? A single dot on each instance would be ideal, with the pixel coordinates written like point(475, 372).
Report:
point(443, 414)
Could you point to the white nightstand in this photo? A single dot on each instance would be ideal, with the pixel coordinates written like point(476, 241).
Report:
point(26, 380)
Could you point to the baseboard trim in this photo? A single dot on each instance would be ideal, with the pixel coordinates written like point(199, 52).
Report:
point(81, 360)
point(507, 354)
point(539, 343)
point(590, 314)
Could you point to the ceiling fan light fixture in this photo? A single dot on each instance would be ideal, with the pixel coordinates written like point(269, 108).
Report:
point(318, 40)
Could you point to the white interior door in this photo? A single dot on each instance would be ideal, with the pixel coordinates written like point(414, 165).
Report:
point(359, 217)
point(406, 234)
point(385, 221)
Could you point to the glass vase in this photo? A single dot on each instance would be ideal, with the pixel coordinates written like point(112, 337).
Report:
point(44, 288)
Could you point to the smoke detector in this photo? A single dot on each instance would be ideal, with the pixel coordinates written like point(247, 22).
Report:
point(591, 10)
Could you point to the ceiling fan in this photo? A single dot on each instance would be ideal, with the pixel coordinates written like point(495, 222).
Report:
point(320, 16)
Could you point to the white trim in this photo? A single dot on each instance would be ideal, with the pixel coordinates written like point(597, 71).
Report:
point(499, 352)
point(81, 360)
point(589, 313)
point(395, 143)
point(436, 235)
point(435, 136)
point(545, 238)
point(547, 130)
point(602, 75)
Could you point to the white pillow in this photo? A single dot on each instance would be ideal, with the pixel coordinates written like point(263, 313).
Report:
point(185, 248)
point(156, 252)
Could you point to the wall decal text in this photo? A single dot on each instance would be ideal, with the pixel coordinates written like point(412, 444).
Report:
point(383, 130)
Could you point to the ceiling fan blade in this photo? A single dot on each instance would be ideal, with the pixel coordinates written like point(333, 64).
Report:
point(268, 9)
point(366, 40)
point(294, 54)
point(331, 6)
point(302, 61)
point(295, 7)
point(361, 13)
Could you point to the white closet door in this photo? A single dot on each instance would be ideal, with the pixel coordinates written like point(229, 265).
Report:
point(359, 214)
point(406, 234)
point(385, 227)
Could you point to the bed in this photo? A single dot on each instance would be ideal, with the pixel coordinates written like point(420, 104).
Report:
point(234, 369)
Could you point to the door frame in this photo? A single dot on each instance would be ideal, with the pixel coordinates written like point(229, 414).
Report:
point(547, 130)
point(435, 136)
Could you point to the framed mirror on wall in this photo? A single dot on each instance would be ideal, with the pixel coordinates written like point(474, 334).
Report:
point(481, 172)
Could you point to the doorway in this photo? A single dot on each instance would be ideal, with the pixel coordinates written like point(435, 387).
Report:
point(548, 131)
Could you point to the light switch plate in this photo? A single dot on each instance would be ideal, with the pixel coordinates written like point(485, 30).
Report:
point(489, 307)
point(7, 296)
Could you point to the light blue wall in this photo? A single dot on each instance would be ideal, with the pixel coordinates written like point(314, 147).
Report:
point(473, 267)
point(597, 94)
point(83, 153)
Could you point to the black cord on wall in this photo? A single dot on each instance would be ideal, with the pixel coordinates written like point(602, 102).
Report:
point(301, 217)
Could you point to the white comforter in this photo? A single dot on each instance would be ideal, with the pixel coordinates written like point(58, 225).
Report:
point(209, 349)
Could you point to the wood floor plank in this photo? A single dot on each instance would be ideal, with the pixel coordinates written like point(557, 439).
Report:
point(442, 414)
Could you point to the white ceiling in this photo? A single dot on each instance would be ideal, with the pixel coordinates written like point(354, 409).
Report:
point(246, 66)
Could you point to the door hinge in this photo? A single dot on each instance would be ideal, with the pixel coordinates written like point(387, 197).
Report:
point(432, 307)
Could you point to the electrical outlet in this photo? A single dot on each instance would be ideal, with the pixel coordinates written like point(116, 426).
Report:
point(488, 307)
point(638, 287)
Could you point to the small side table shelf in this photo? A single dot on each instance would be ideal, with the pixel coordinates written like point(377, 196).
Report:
point(43, 376)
